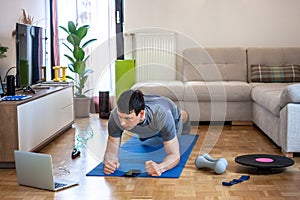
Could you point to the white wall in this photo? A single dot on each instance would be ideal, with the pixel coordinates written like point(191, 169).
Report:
point(10, 12)
point(215, 23)
point(197, 22)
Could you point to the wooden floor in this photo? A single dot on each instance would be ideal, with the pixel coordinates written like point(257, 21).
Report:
point(231, 141)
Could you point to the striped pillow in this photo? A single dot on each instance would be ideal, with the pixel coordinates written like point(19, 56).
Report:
point(270, 74)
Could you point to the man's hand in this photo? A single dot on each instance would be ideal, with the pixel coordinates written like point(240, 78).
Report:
point(111, 162)
point(171, 160)
point(111, 166)
point(152, 168)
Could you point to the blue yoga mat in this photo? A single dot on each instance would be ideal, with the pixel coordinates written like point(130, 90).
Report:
point(134, 153)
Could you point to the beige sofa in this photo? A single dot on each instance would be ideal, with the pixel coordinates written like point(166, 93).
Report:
point(211, 86)
point(276, 106)
point(215, 84)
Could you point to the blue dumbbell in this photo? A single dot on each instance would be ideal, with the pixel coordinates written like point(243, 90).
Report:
point(206, 161)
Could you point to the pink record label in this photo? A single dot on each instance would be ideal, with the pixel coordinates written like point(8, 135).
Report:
point(264, 160)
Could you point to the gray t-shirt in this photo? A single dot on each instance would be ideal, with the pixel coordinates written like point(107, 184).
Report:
point(162, 117)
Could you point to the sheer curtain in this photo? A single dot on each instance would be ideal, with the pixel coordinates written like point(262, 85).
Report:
point(100, 15)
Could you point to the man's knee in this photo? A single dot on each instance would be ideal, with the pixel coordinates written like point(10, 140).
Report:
point(186, 127)
point(184, 116)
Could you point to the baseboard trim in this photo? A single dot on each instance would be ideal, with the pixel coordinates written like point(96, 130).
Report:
point(242, 123)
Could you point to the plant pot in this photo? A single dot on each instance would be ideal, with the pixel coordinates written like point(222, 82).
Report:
point(82, 106)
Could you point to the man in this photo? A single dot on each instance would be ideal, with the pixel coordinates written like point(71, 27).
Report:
point(148, 116)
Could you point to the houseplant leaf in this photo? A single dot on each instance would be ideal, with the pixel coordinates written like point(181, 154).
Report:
point(71, 27)
point(65, 29)
point(88, 42)
point(82, 31)
point(74, 39)
point(70, 58)
point(78, 53)
point(67, 47)
point(3, 51)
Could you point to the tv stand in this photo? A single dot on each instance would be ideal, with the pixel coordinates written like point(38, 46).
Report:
point(31, 124)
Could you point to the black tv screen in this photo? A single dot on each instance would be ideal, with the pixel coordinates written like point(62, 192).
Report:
point(30, 54)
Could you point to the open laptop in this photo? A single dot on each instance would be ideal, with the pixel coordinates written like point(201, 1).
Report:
point(36, 170)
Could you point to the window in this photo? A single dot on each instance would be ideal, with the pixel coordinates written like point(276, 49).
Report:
point(99, 14)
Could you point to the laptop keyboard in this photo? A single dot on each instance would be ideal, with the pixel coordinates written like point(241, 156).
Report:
point(59, 185)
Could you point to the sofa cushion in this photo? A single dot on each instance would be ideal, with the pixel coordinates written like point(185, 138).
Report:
point(272, 56)
point(268, 74)
point(171, 89)
point(290, 94)
point(268, 96)
point(214, 64)
point(217, 91)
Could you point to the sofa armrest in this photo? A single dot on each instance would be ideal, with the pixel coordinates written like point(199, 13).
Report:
point(289, 137)
point(290, 94)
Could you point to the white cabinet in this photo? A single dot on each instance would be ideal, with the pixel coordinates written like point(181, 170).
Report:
point(30, 124)
point(39, 119)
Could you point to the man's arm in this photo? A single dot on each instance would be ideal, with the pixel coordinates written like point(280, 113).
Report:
point(171, 160)
point(111, 161)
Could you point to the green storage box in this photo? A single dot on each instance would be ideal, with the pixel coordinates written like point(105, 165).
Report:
point(125, 75)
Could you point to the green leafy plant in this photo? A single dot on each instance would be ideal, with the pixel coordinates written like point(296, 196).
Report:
point(3, 51)
point(78, 58)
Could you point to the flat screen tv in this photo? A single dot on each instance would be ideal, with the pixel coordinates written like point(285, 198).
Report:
point(30, 54)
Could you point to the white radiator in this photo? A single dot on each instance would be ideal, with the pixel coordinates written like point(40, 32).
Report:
point(155, 56)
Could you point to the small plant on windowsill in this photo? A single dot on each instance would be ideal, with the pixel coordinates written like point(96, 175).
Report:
point(3, 51)
point(76, 44)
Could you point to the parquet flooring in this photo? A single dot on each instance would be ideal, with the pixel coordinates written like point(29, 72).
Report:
point(192, 184)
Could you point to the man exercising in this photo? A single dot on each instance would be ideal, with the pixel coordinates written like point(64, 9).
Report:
point(148, 116)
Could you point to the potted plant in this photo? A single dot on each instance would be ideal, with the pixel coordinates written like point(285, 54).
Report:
point(76, 44)
point(3, 51)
